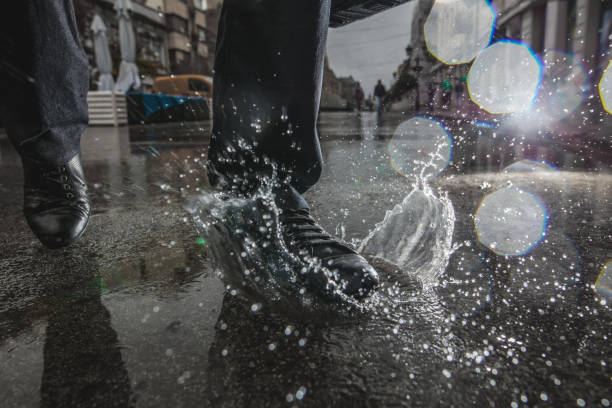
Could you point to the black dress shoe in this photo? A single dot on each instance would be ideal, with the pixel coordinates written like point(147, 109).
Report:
point(55, 203)
point(350, 272)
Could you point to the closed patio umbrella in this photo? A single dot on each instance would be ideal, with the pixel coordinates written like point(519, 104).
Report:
point(128, 71)
point(103, 58)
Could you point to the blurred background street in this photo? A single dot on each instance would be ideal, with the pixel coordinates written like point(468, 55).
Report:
point(138, 297)
point(503, 114)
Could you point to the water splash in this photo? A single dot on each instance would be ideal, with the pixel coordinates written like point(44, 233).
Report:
point(245, 244)
point(416, 235)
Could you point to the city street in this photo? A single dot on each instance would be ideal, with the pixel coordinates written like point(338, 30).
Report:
point(150, 301)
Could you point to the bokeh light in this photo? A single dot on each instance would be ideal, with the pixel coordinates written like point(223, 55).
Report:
point(505, 78)
point(564, 84)
point(603, 284)
point(457, 30)
point(420, 147)
point(511, 221)
point(529, 166)
point(605, 89)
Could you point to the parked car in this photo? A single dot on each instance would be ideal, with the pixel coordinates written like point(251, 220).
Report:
point(184, 85)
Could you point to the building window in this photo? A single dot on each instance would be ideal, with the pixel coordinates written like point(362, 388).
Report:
point(200, 4)
point(201, 35)
point(151, 49)
point(176, 23)
point(178, 57)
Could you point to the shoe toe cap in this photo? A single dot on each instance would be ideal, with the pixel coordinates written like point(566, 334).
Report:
point(56, 229)
point(357, 277)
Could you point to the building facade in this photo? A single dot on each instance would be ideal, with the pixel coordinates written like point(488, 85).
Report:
point(186, 25)
point(580, 27)
point(149, 28)
point(171, 36)
point(213, 12)
point(331, 98)
point(419, 63)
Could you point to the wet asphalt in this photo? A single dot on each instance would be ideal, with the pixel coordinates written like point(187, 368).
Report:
point(134, 313)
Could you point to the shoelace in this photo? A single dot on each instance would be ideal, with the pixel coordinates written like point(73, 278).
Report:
point(58, 175)
point(303, 232)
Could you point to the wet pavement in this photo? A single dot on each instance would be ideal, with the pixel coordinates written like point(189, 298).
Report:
point(135, 313)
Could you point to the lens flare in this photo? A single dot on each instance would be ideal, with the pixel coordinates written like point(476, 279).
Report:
point(605, 89)
point(485, 125)
point(457, 30)
point(526, 166)
point(564, 85)
point(505, 78)
point(511, 222)
point(603, 284)
point(420, 148)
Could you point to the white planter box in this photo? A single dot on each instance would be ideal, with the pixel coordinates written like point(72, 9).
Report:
point(107, 108)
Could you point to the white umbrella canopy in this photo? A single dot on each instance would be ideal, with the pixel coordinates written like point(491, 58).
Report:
point(103, 58)
point(128, 71)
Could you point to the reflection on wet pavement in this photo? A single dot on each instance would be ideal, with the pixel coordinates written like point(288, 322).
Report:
point(134, 314)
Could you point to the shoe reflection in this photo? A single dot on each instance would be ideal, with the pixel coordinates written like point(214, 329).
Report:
point(82, 358)
point(280, 355)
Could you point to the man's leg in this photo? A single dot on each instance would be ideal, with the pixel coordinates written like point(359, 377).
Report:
point(43, 106)
point(267, 86)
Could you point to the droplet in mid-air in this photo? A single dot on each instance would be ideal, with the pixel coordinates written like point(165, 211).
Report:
point(467, 284)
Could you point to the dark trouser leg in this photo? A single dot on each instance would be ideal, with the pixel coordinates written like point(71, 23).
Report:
point(43, 78)
point(267, 86)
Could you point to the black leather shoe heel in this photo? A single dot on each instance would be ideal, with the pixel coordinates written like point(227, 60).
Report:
point(56, 204)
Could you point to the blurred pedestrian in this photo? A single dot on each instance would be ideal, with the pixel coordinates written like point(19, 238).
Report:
point(358, 96)
point(379, 94)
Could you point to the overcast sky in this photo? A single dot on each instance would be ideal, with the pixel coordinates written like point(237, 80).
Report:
point(372, 48)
